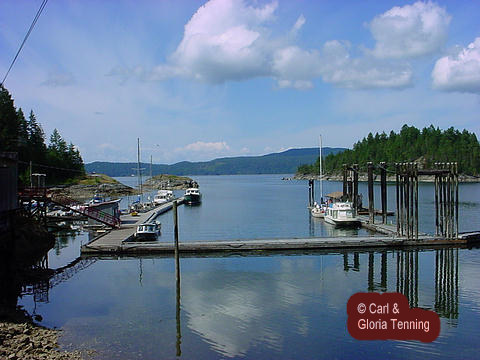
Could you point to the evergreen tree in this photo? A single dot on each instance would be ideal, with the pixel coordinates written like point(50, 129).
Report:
point(8, 122)
point(429, 145)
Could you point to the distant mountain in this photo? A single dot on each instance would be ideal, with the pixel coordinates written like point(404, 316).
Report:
point(285, 162)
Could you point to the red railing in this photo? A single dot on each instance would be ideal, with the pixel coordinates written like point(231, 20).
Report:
point(91, 212)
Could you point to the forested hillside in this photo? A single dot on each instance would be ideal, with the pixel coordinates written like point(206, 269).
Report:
point(59, 160)
point(285, 162)
point(428, 145)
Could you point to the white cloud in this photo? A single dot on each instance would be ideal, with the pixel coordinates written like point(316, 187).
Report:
point(224, 40)
point(298, 24)
point(459, 72)
point(410, 31)
point(201, 146)
point(230, 40)
point(295, 67)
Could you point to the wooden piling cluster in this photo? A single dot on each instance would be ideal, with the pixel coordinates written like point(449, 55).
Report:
point(446, 199)
point(407, 199)
point(350, 184)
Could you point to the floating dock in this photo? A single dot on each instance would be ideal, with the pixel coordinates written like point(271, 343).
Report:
point(126, 231)
point(117, 240)
point(266, 245)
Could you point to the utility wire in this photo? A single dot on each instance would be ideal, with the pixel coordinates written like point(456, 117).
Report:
point(50, 167)
point(39, 12)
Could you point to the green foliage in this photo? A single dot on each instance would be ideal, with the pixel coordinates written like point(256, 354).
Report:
point(278, 163)
point(410, 144)
point(59, 161)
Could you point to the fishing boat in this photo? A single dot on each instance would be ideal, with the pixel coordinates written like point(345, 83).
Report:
point(163, 196)
point(342, 214)
point(192, 196)
point(148, 231)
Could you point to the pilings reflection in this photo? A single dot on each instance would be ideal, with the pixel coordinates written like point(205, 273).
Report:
point(407, 275)
point(407, 269)
point(446, 283)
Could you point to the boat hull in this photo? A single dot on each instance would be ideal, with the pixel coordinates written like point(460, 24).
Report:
point(192, 199)
point(318, 214)
point(146, 237)
point(342, 222)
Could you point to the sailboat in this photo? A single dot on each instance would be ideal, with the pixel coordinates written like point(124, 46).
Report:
point(319, 210)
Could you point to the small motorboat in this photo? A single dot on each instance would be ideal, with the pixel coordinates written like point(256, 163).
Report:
point(318, 210)
point(148, 231)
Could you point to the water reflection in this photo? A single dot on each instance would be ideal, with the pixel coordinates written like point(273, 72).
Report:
point(446, 283)
point(242, 306)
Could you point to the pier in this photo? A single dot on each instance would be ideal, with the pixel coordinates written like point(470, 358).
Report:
point(404, 233)
point(115, 237)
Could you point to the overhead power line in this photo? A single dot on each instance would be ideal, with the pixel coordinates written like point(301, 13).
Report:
point(50, 167)
point(39, 12)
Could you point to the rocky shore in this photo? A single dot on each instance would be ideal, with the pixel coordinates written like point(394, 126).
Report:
point(364, 177)
point(25, 341)
point(172, 182)
point(86, 192)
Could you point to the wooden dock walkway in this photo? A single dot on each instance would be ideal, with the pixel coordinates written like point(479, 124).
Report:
point(115, 237)
point(266, 245)
point(116, 241)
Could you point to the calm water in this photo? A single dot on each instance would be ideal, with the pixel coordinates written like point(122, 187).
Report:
point(280, 305)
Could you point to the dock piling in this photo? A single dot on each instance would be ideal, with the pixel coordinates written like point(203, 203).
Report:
point(383, 185)
point(371, 209)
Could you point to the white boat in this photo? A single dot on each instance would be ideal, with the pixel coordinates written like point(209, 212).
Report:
point(148, 231)
point(318, 210)
point(163, 196)
point(97, 199)
point(192, 196)
point(341, 213)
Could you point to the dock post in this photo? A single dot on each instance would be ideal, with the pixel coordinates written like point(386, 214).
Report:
point(355, 189)
point(177, 281)
point(345, 190)
point(401, 188)
point(175, 234)
point(456, 200)
point(371, 209)
point(416, 201)
point(397, 184)
point(436, 206)
point(383, 185)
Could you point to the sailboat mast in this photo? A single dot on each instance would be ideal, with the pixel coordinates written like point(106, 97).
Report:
point(139, 170)
point(321, 171)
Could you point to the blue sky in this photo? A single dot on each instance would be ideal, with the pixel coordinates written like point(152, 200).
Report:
point(197, 80)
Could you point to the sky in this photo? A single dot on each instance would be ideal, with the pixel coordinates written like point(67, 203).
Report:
point(198, 80)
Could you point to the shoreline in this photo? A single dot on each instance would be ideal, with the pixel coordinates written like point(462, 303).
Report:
point(376, 178)
point(26, 340)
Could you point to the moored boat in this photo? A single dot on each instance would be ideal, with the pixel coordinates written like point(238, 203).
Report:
point(148, 231)
point(318, 210)
point(192, 196)
point(341, 213)
point(163, 196)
